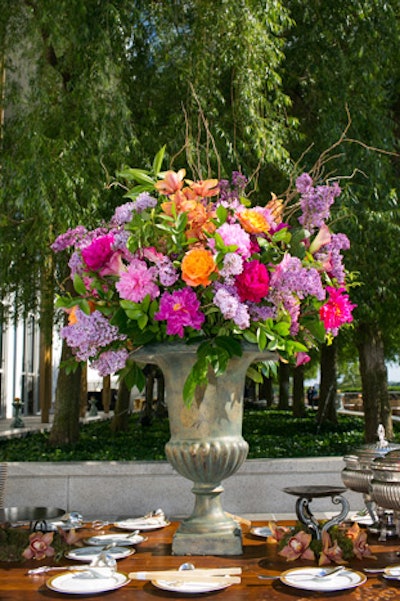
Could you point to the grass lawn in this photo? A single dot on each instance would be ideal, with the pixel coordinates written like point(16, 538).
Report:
point(269, 432)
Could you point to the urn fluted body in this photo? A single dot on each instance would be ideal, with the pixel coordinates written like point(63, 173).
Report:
point(206, 444)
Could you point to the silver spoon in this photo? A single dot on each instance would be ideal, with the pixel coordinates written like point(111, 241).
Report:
point(133, 534)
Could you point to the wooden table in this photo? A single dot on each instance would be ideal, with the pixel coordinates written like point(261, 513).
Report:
point(258, 558)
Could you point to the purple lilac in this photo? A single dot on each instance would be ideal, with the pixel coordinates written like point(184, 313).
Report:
point(233, 265)
point(226, 302)
point(262, 312)
point(138, 282)
point(290, 276)
point(167, 273)
point(89, 333)
point(70, 238)
point(110, 362)
point(75, 264)
point(122, 214)
point(337, 270)
point(144, 201)
point(242, 317)
point(315, 202)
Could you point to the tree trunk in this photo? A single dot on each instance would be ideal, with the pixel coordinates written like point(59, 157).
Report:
point(299, 408)
point(377, 409)
point(84, 391)
point(106, 394)
point(46, 340)
point(120, 420)
point(328, 385)
point(284, 381)
point(65, 429)
point(267, 390)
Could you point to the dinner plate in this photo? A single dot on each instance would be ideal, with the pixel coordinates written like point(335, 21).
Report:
point(90, 553)
point(304, 578)
point(120, 540)
point(141, 524)
point(393, 572)
point(190, 588)
point(81, 583)
point(264, 532)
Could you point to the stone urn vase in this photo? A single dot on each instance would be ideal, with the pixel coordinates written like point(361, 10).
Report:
point(206, 444)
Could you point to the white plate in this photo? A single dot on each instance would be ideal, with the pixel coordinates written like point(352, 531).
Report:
point(362, 519)
point(90, 553)
point(79, 583)
point(191, 588)
point(304, 578)
point(120, 540)
point(141, 524)
point(264, 532)
point(393, 572)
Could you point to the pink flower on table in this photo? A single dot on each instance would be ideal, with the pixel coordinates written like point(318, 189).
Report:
point(337, 310)
point(98, 252)
point(278, 532)
point(298, 547)
point(358, 537)
point(331, 552)
point(253, 283)
point(137, 282)
point(39, 546)
point(179, 309)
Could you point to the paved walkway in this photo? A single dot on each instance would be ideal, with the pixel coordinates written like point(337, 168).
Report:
point(33, 423)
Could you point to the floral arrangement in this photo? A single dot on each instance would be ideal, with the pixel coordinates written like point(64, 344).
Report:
point(195, 261)
point(337, 545)
point(19, 544)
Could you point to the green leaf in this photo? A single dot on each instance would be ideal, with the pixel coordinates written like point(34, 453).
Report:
point(79, 286)
point(231, 345)
point(158, 159)
point(142, 321)
point(222, 214)
point(254, 375)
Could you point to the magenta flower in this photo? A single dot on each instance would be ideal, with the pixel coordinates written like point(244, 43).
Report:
point(337, 310)
point(180, 309)
point(253, 283)
point(138, 282)
point(99, 252)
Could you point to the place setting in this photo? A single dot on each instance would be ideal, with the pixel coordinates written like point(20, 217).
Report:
point(153, 520)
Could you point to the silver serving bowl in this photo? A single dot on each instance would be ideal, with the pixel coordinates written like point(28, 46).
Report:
point(357, 474)
point(385, 482)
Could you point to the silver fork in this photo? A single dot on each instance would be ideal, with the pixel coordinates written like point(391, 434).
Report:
point(326, 574)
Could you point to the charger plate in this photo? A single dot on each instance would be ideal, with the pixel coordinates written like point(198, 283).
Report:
point(305, 578)
point(75, 583)
point(141, 524)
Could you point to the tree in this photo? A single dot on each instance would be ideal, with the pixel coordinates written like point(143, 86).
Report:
point(355, 67)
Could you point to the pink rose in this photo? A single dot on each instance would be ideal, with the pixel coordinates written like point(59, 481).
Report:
point(253, 283)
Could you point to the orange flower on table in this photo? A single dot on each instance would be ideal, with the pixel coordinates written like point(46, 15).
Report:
point(172, 182)
point(298, 547)
point(253, 221)
point(331, 552)
point(197, 266)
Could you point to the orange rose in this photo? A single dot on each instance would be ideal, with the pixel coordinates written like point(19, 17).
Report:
point(253, 222)
point(197, 266)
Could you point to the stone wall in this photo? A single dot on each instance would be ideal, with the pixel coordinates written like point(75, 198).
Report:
point(123, 489)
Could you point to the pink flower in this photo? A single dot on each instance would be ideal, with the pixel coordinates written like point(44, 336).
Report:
point(253, 283)
point(278, 532)
point(331, 552)
point(359, 538)
point(298, 547)
point(180, 309)
point(137, 282)
point(302, 359)
point(321, 239)
point(99, 252)
point(337, 310)
point(39, 546)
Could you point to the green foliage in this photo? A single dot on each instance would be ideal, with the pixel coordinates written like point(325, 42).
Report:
point(270, 434)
